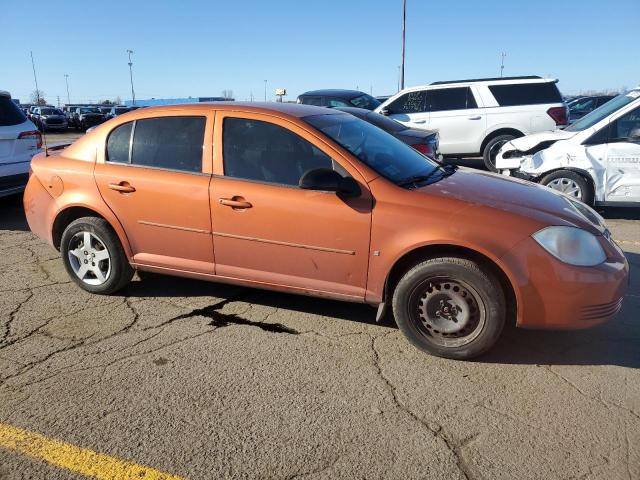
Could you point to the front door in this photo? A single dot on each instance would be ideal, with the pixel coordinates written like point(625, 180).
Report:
point(623, 159)
point(155, 177)
point(268, 231)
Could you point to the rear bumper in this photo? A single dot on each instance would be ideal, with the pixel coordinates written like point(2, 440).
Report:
point(555, 295)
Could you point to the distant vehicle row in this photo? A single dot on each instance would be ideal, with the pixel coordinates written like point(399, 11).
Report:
point(79, 117)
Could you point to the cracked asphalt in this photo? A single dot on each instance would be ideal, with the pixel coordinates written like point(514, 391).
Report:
point(204, 381)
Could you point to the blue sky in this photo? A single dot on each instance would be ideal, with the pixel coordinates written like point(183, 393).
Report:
point(198, 48)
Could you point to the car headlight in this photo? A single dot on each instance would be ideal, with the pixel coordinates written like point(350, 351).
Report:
point(571, 245)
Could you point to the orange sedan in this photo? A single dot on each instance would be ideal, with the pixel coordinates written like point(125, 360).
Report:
point(314, 201)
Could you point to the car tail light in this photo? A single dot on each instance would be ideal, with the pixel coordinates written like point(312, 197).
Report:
point(559, 115)
point(32, 134)
point(424, 148)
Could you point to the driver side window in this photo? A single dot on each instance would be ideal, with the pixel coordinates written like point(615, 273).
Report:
point(265, 152)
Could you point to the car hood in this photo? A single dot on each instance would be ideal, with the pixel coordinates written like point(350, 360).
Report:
point(540, 204)
point(529, 141)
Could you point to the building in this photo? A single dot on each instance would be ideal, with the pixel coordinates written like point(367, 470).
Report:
point(152, 102)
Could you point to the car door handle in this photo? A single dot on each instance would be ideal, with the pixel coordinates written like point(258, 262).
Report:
point(234, 203)
point(477, 117)
point(122, 187)
point(420, 121)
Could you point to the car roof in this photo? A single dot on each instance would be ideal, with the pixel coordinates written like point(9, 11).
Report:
point(486, 81)
point(4, 93)
point(290, 109)
point(335, 92)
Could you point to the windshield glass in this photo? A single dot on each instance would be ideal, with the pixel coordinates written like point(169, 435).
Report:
point(89, 110)
point(381, 151)
point(50, 111)
point(365, 101)
point(604, 111)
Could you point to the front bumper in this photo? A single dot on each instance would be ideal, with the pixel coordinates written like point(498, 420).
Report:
point(554, 295)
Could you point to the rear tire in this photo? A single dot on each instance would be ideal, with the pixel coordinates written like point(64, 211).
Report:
point(491, 150)
point(93, 256)
point(571, 183)
point(450, 307)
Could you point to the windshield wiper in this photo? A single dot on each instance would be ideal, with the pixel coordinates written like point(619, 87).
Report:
point(405, 182)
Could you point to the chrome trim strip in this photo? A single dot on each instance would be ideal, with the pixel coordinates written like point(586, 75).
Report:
point(286, 244)
point(174, 227)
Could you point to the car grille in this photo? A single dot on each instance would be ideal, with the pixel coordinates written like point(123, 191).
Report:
point(594, 312)
point(54, 121)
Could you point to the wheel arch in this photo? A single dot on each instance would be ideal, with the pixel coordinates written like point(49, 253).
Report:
point(420, 253)
point(496, 133)
point(580, 171)
point(72, 212)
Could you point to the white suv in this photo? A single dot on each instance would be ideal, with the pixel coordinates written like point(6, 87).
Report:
point(476, 117)
point(19, 141)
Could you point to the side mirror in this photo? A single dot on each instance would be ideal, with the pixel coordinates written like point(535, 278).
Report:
point(634, 134)
point(328, 180)
point(385, 112)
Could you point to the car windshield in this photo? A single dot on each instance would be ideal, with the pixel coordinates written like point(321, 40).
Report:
point(384, 123)
point(604, 111)
point(50, 111)
point(89, 110)
point(381, 151)
point(365, 101)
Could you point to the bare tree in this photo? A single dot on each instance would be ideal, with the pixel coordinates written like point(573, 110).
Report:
point(227, 94)
point(37, 97)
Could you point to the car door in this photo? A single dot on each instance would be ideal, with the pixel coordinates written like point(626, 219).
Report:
point(268, 231)
point(409, 109)
point(623, 159)
point(154, 175)
point(455, 113)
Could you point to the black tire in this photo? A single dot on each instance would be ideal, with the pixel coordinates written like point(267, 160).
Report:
point(120, 272)
point(491, 149)
point(586, 194)
point(478, 291)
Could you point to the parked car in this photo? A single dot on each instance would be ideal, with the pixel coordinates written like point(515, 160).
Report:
point(476, 117)
point(596, 159)
point(425, 141)
point(315, 201)
point(115, 111)
point(85, 117)
point(19, 141)
point(339, 98)
point(580, 107)
point(49, 118)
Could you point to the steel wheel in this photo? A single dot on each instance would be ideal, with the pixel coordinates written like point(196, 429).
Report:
point(89, 258)
point(566, 185)
point(450, 312)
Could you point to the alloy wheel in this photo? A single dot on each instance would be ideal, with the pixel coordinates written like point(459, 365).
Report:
point(89, 258)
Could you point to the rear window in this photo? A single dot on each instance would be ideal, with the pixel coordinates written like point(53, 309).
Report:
point(10, 113)
point(459, 98)
point(169, 142)
point(526, 94)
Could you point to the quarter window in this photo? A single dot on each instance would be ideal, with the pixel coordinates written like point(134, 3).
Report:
point(265, 152)
point(450, 99)
point(169, 142)
point(412, 102)
point(118, 144)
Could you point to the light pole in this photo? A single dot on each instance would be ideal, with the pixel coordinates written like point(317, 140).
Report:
point(265, 90)
point(502, 64)
point(66, 79)
point(404, 21)
point(133, 94)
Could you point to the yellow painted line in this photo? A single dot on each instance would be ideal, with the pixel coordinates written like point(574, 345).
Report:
point(76, 459)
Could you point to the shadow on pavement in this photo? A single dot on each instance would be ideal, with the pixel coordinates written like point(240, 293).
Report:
point(619, 213)
point(12, 214)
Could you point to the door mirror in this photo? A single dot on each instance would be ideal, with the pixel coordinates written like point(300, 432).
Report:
point(384, 111)
point(634, 134)
point(328, 180)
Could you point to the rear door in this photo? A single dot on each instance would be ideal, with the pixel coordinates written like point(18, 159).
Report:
point(155, 177)
point(622, 182)
point(455, 113)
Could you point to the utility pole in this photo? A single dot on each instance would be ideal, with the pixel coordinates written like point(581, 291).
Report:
point(35, 78)
point(502, 63)
point(66, 79)
point(133, 94)
point(265, 90)
point(58, 101)
point(404, 22)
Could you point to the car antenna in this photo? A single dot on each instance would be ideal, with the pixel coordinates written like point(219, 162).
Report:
point(35, 78)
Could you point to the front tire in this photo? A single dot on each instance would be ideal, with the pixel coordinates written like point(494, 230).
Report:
point(571, 183)
point(93, 256)
point(450, 307)
point(492, 148)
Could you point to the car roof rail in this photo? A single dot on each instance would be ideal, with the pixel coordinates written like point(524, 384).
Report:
point(524, 77)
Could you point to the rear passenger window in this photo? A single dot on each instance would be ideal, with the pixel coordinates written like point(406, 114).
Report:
point(169, 142)
point(450, 99)
point(412, 102)
point(525, 94)
point(264, 152)
point(118, 144)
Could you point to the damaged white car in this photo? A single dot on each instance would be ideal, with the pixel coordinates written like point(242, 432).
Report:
point(596, 159)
